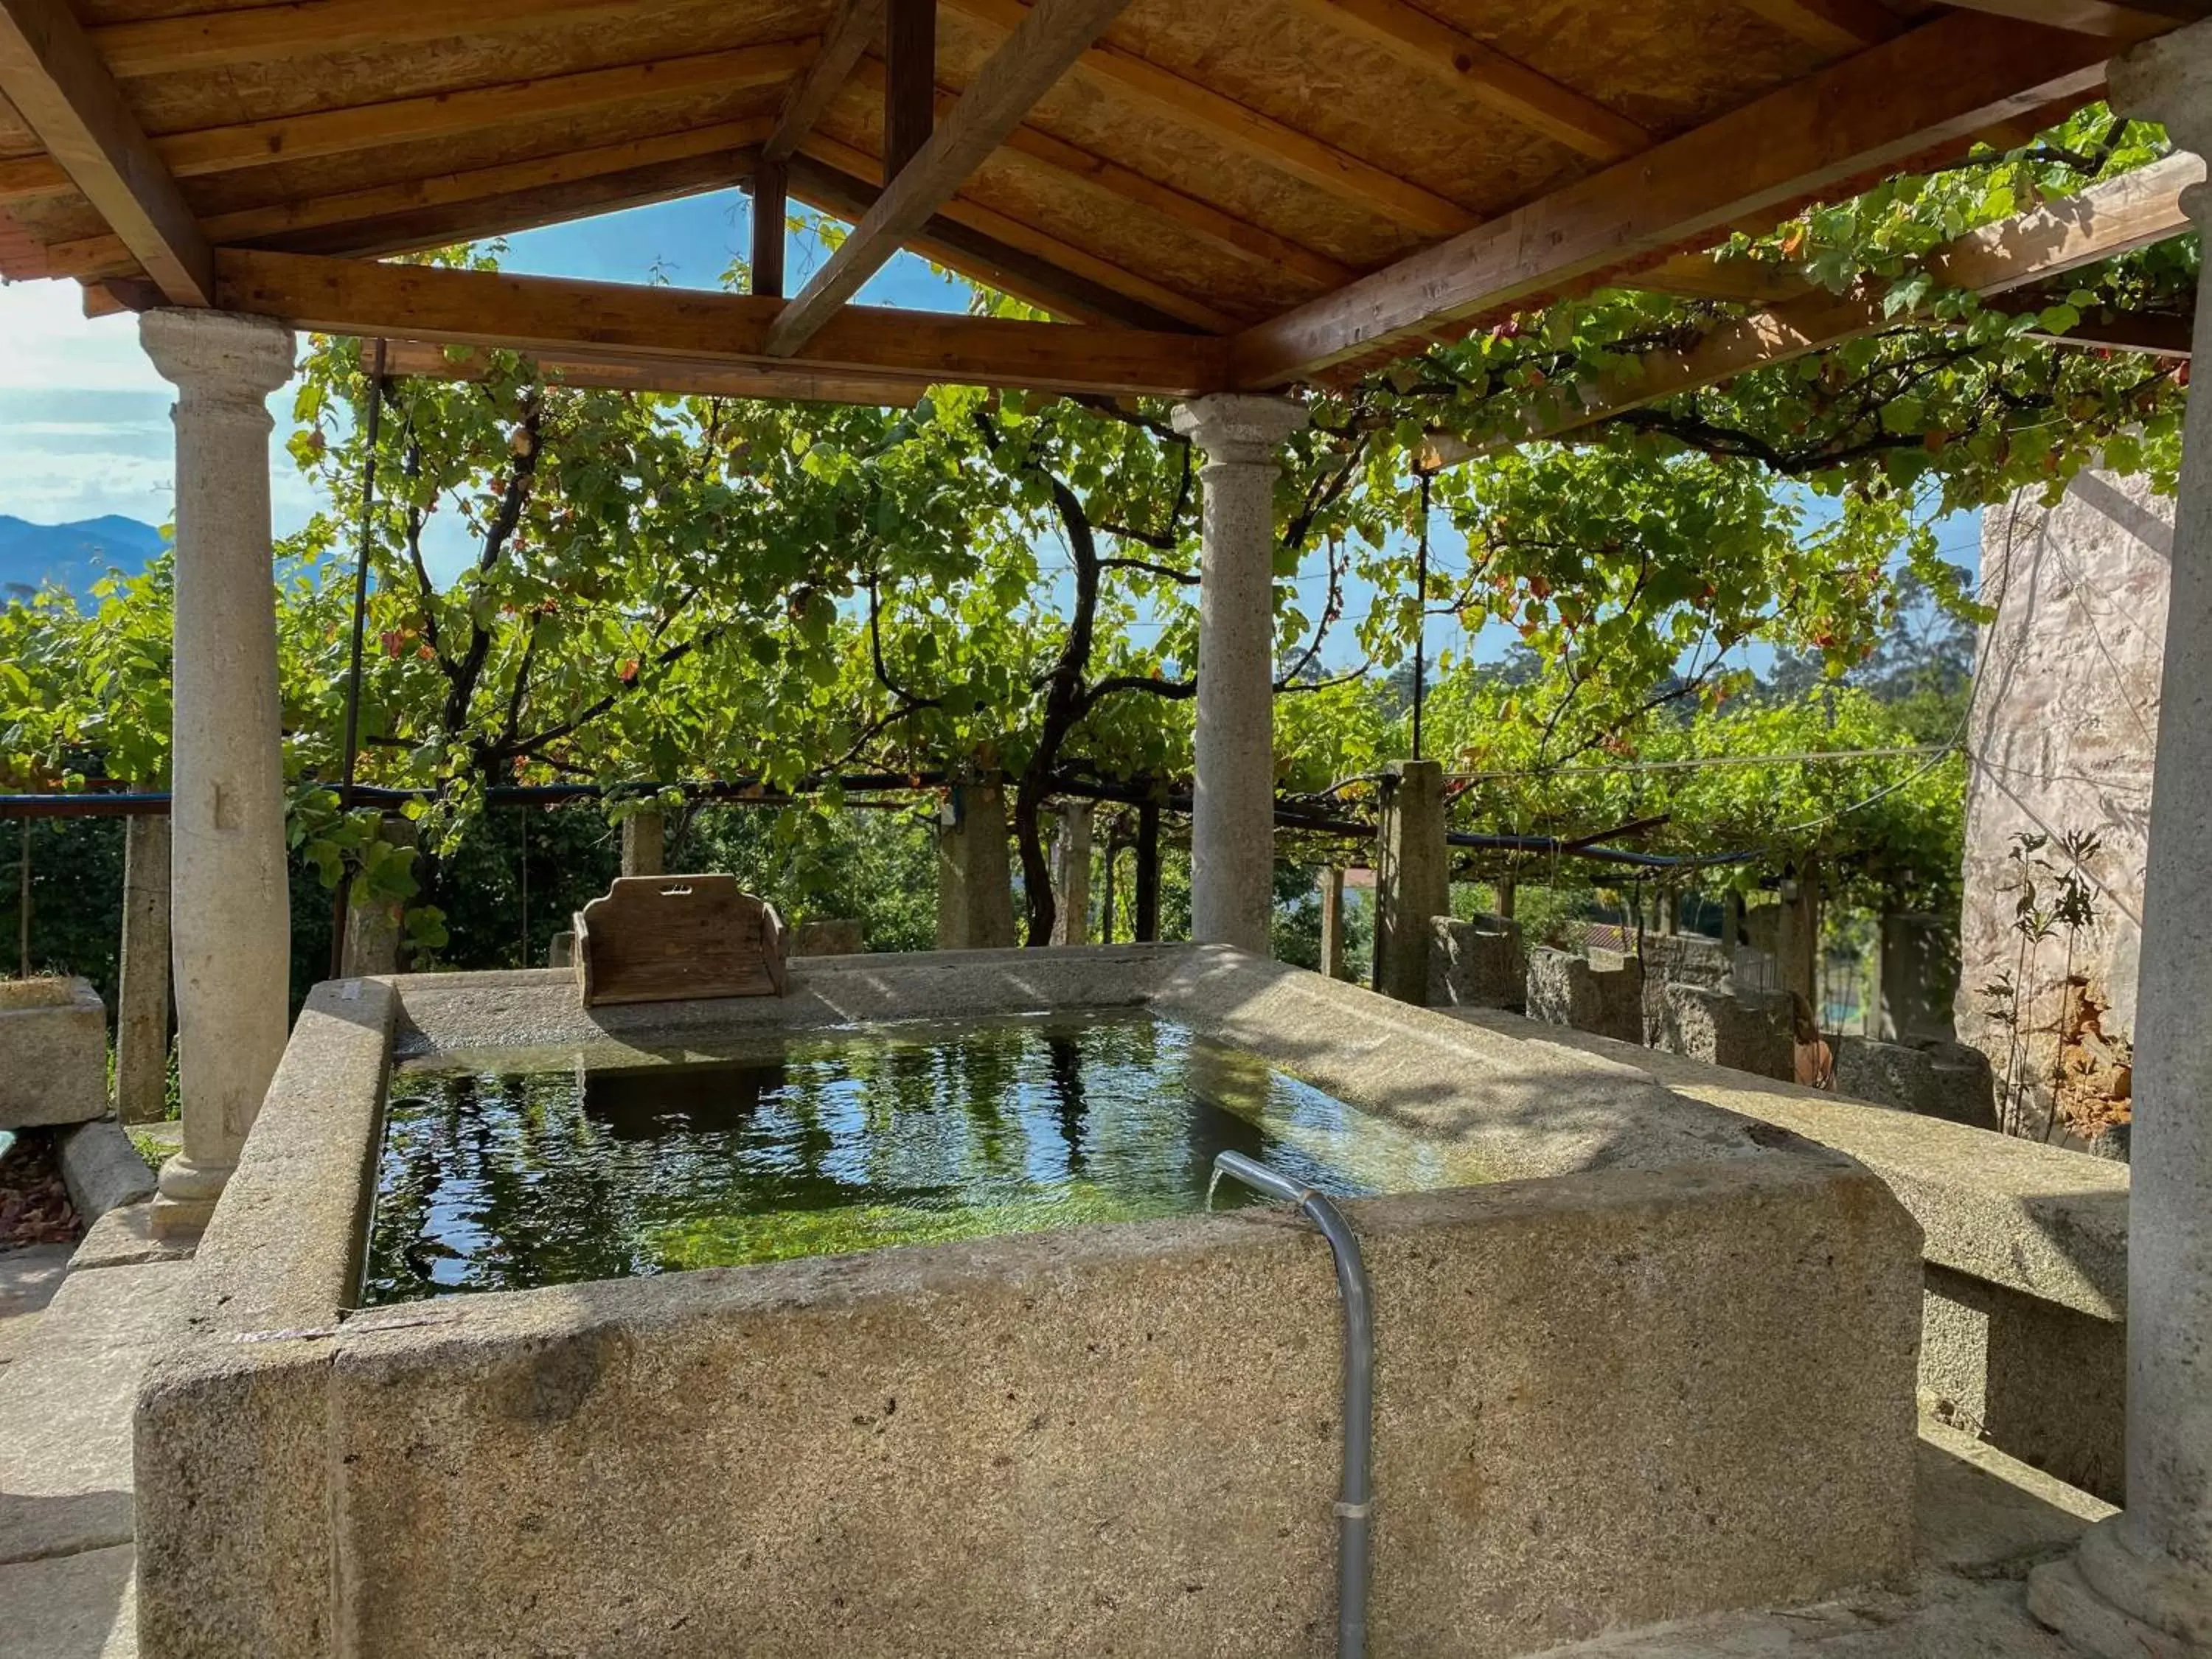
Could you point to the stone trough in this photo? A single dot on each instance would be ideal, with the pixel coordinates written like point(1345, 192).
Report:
point(1662, 1363)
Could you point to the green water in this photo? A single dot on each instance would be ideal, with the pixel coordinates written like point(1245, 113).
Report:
point(839, 1142)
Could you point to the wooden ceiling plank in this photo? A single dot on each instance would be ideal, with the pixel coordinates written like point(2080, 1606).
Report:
point(856, 162)
point(1251, 133)
point(365, 126)
point(2100, 222)
point(53, 76)
point(1055, 291)
point(1833, 26)
point(104, 256)
point(1026, 66)
point(423, 360)
point(543, 314)
point(1207, 222)
point(1872, 110)
point(855, 24)
point(1504, 83)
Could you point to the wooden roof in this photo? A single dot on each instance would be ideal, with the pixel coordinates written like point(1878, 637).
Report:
point(1233, 194)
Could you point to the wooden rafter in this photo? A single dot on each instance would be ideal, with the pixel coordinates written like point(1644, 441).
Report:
point(1248, 131)
point(1835, 25)
point(2108, 219)
point(1051, 37)
point(1054, 289)
point(2114, 21)
point(422, 359)
point(360, 126)
point(1060, 255)
point(909, 82)
point(1873, 110)
point(51, 75)
point(853, 25)
point(1072, 165)
point(553, 316)
point(1511, 88)
point(99, 257)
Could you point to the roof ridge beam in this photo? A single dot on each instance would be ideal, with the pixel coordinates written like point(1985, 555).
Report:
point(1882, 106)
point(1505, 83)
point(1027, 64)
point(1201, 109)
point(53, 76)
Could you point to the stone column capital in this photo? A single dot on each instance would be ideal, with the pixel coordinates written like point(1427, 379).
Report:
point(1238, 429)
point(2169, 80)
point(218, 356)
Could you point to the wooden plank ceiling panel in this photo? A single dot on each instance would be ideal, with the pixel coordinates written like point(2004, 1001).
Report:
point(1945, 80)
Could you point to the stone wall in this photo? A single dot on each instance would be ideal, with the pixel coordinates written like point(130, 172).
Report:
point(1565, 989)
point(1947, 1080)
point(1477, 964)
point(1746, 1033)
point(2062, 734)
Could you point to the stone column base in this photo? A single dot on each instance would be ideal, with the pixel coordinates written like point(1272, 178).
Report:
point(188, 1196)
point(2060, 1594)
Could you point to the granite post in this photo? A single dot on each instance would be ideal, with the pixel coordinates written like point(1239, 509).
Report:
point(2140, 1583)
point(1070, 874)
point(231, 930)
point(1413, 878)
point(141, 997)
point(1233, 812)
point(974, 891)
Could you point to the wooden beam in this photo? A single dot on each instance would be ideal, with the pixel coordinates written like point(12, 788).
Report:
point(1871, 111)
point(98, 257)
point(845, 191)
point(364, 126)
point(771, 206)
point(2106, 219)
point(423, 359)
point(50, 72)
point(1170, 303)
point(1026, 65)
point(1249, 133)
point(2113, 21)
point(852, 27)
point(910, 82)
point(1512, 89)
point(554, 316)
point(1072, 165)
point(1833, 26)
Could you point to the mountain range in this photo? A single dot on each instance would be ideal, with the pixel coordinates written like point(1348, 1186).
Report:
point(72, 556)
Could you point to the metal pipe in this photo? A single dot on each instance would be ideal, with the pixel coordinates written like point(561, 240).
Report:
point(1355, 1500)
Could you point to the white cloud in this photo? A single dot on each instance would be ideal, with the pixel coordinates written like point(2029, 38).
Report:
point(84, 420)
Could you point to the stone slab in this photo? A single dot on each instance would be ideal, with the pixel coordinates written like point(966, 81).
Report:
point(66, 1410)
point(125, 1238)
point(72, 1607)
point(29, 1278)
point(102, 1169)
point(53, 1053)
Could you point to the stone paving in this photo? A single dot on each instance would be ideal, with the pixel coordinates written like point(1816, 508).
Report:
point(76, 1347)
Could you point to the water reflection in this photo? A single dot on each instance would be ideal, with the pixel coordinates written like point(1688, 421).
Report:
point(836, 1144)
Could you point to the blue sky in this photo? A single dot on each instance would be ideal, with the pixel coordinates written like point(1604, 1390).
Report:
point(84, 427)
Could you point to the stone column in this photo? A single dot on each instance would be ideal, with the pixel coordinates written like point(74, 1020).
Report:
point(1071, 875)
point(975, 889)
point(1797, 937)
point(229, 906)
point(1413, 878)
point(1506, 892)
point(1232, 830)
point(141, 1000)
point(1332, 922)
point(2141, 1584)
point(645, 844)
point(375, 928)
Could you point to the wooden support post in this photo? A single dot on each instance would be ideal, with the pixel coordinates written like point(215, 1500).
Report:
point(1506, 885)
point(1148, 871)
point(141, 1000)
point(769, 199)
point(1332, 922)
point(910, 83)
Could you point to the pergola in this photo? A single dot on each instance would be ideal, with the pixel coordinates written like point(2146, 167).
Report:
point(1218, 204)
